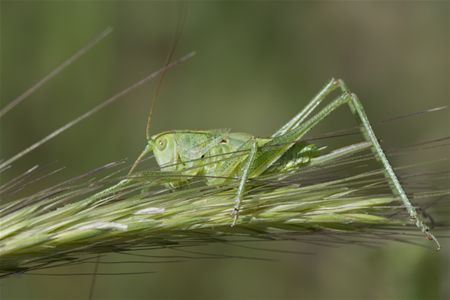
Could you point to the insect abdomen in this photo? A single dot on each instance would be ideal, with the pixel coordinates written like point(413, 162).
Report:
point(297, 156)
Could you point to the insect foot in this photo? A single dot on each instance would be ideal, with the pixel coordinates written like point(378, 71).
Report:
point(429, 236)
point(234, 215)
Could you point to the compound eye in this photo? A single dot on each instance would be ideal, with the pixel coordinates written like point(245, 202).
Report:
point(161, 143)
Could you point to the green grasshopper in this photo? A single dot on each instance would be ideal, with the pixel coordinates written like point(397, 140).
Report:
point(201, 152)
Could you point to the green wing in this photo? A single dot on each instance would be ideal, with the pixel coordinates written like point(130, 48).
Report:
point(194, 144)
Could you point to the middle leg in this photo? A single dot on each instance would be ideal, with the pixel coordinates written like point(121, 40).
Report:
point(243, 180)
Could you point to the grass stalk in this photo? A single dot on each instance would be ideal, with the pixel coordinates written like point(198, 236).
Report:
point(94, 214)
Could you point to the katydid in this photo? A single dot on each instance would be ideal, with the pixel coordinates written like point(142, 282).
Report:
point(197, 152)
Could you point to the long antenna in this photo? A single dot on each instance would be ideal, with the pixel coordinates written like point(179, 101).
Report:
point(178, 33)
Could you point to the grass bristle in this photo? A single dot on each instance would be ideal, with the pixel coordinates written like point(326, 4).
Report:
point(82, 216)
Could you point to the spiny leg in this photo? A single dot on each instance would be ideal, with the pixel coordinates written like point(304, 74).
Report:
point(110, 191)
point(243, 180)
point(357, 109)
point(299, 130)
point(292, 131)
point(308, 109)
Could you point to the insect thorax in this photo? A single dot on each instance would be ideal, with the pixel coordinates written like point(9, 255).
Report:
point(218, 155)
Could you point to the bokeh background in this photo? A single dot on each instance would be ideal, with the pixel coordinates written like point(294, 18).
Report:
point(257, 64)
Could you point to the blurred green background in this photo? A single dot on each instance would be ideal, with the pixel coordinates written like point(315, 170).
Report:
point(257, 64)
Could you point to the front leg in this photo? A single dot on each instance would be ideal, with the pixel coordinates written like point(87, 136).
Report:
point(243, 180)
